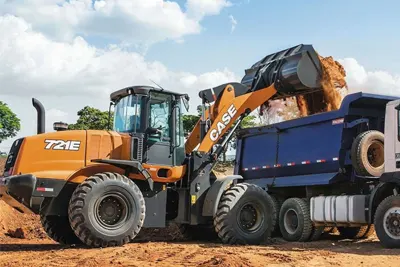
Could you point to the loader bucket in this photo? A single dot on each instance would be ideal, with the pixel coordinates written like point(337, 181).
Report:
point(296, 70)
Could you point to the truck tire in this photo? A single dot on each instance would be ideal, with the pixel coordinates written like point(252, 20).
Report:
point(245, 215)
point(294, 220)
point(367, 153)
point(387, 222)
point(316, 233)
point(59, 229)
point(107, 209)
point(277, 204)
point(198, 232)
point(359, 232)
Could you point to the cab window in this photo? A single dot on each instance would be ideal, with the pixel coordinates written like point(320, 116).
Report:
point(160, 113)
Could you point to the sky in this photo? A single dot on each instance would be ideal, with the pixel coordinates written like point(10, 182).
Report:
point(70, 54)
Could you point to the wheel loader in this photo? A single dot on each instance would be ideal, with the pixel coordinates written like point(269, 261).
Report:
point(100, 188)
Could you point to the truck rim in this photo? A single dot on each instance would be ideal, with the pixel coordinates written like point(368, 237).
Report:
point(391, 222)
point(375, 154)
point(112, 210)
point(291, 221)
point(250, 217)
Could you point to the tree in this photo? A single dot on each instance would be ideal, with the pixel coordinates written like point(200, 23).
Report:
point(189, 121)
point(9, 122)
point(91, 119)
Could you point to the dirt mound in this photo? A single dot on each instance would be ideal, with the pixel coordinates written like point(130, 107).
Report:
point(17, 225)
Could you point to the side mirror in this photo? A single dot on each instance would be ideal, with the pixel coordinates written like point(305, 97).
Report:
point(185, 100)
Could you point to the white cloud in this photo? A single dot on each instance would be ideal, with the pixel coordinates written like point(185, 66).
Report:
point(67, 76)
point(130, 21)
point(233, 23)
point(200, 8)
point(378, 82)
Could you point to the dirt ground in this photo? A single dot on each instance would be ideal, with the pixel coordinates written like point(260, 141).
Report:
point(24, 243)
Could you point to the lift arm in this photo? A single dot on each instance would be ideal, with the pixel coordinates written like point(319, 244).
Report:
point(290, 72)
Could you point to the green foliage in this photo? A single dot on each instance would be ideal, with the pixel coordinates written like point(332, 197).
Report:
point(248, 121)
point(91, 119)
point(189, 121)
point(9, 122)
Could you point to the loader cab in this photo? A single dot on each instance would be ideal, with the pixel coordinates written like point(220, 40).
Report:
point(153, 118)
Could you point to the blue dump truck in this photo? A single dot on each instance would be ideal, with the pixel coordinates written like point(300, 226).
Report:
point(328, 170)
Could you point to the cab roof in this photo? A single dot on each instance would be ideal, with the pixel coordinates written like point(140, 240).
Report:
point(139, 89)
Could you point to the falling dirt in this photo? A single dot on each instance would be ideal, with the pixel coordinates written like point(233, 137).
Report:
point(334, 88)
point(332, 82)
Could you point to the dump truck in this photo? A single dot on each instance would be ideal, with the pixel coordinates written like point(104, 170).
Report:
point(333, 169)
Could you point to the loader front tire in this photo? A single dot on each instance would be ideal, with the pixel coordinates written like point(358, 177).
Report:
point(107, 209)
point(59, 229)
point(245, 215)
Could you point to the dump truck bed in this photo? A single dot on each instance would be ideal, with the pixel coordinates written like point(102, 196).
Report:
point(313, 150)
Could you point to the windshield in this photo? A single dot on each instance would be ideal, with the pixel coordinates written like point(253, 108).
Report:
point(127, 114)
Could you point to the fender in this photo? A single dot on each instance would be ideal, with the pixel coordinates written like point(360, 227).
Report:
point(129, 165)
point(56, 203)
point(215, 192)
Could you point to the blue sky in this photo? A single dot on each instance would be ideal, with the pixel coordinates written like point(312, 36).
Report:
point(70, 54)
point(365, 30)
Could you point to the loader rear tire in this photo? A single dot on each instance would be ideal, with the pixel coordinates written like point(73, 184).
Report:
point(245, 215)
point(294, 220)
point(107, 209)
point(59, 229)
point(367, 153)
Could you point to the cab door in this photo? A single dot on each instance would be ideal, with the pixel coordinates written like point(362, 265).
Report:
point(158, 144)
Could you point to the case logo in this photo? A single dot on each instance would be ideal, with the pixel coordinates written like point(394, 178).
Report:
point(226, 118)
point(62, 145)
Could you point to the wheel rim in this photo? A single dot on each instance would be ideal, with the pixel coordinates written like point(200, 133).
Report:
point(391, 222)
point(375, 154)
point(291, 221)
point(112, 210)
point(250, 217)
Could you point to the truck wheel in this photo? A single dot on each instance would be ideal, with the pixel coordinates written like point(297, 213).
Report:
point(245, 215)
point(59, 229)
point(387, 222)
point(360, 232)
point(107, 209)
point(277, 203)
point(294, 220)
point(316, 233)
point(198, 232)
point(367, 153)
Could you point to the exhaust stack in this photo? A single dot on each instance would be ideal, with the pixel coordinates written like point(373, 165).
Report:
point(40, 115)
